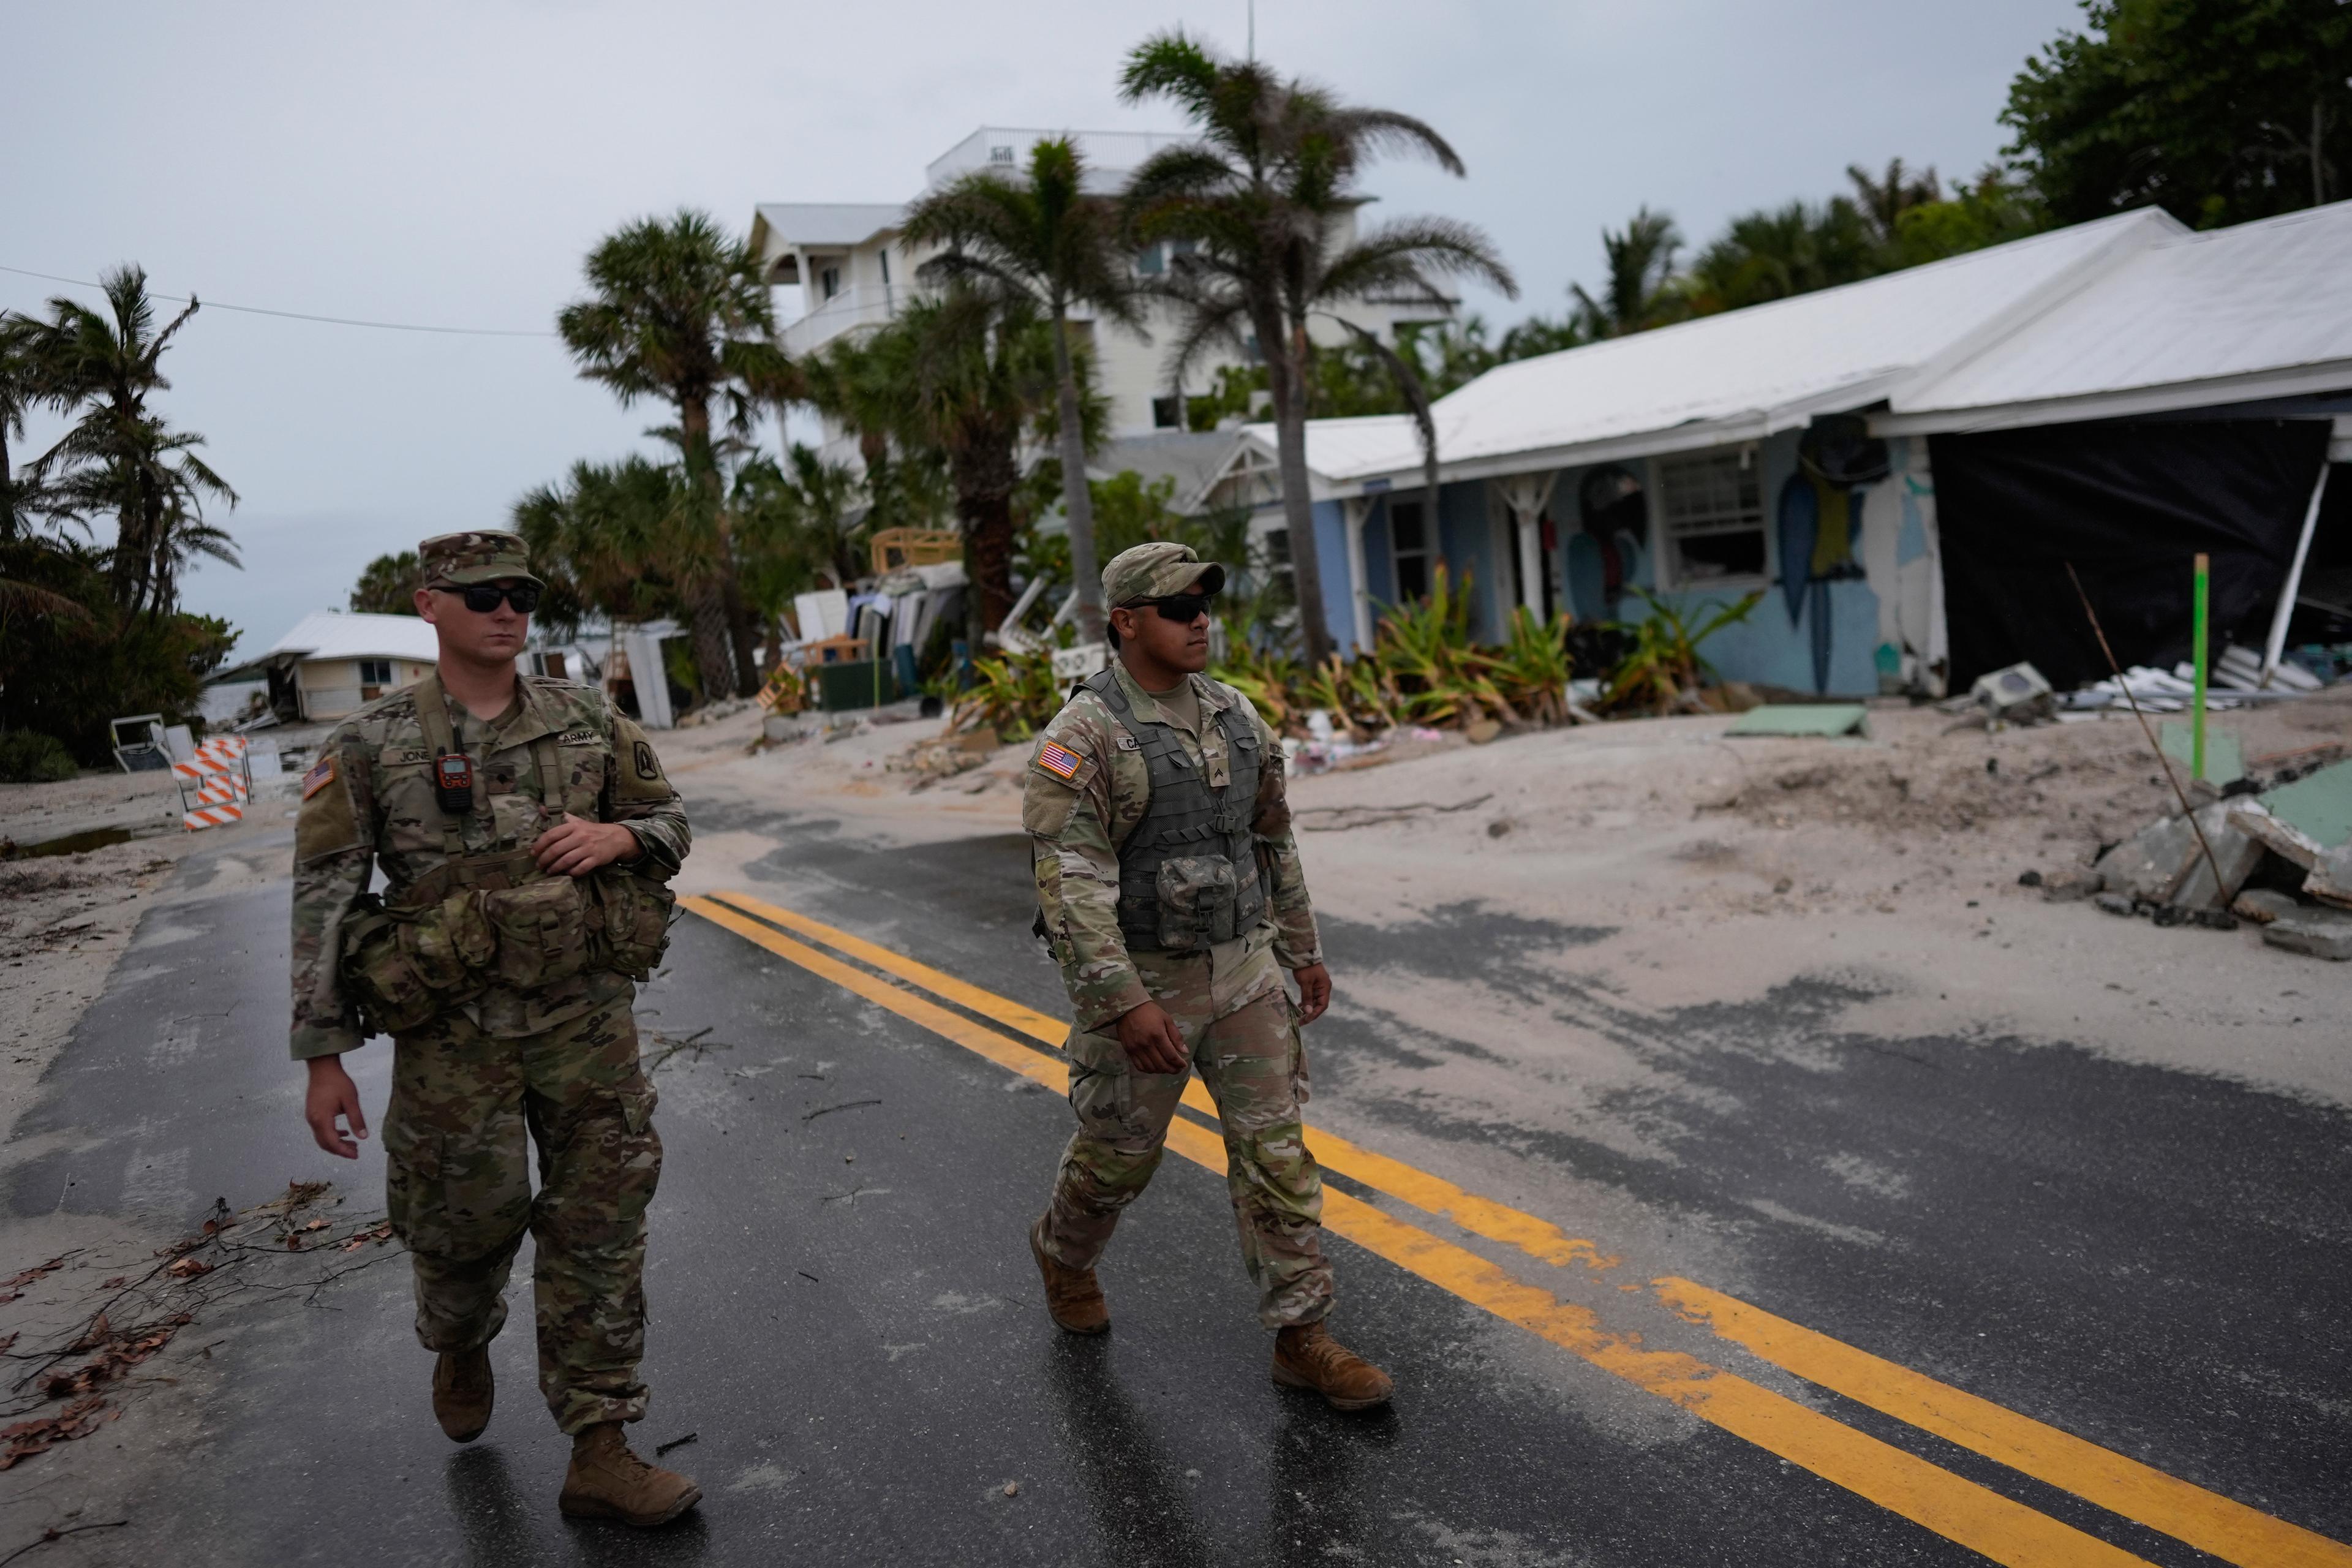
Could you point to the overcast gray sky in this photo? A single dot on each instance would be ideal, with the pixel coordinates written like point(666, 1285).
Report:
point(449, 164)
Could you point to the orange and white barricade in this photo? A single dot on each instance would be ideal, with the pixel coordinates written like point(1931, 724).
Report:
point(215, 784)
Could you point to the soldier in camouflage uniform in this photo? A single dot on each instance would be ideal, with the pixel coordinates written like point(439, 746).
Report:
point(525, 830)
point(1169, 890)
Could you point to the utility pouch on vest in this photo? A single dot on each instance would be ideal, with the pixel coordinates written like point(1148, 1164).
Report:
point(401, 968)
point(1197, 899)
point(628, 921)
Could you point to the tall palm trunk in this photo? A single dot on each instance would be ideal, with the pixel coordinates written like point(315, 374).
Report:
point(707, 588)
point(1078, 502)
point(985, 480)
point(1286, 379)
point(742, 629)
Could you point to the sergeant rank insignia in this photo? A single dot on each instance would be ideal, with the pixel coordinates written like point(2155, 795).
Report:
point(1060, 760)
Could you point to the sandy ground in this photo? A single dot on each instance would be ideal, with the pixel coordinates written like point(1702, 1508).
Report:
point(1711, 869)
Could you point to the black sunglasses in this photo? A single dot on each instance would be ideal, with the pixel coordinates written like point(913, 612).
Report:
point(1182, 608)
point(483, 597)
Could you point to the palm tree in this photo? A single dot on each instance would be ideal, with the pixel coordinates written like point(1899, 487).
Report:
point(387, 586)
point(615, 538)
point(19, 391)
point(849, 384)
point(820, 508)
point(1783, 251)
point(678, 311)
point(1265, 193)
point(1884, 201)
point(119, 459)
point(1047, 241)
point(974, 368)
point(1640, 293)
point(22, 501)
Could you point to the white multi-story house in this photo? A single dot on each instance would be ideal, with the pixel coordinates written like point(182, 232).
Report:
point(855, 272)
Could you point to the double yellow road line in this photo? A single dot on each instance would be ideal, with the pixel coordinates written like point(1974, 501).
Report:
point(1962, 1510)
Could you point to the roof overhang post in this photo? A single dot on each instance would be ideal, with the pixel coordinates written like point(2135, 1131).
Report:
point(1356, 511)
point(1525, 496)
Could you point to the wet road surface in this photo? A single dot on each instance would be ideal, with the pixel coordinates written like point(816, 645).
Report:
point(846, 1320)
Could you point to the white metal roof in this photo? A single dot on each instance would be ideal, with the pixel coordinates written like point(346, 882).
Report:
point(781, 224)
point(332, 634)
point(2258, 310)
point(1735, 377)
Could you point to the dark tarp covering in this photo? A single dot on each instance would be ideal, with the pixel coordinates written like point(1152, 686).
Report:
point(2129, 504)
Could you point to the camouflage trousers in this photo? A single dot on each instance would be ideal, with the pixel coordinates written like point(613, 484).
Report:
point(1234, 1017)
point(461, 1198)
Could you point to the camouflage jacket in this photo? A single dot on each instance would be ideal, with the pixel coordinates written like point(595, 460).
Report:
point(1077, 826)
point(369, 798)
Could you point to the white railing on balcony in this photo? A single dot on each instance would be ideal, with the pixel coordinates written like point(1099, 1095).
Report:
point(853, 307)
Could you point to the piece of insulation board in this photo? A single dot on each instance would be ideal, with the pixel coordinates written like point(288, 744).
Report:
point(2225, 758)
point(2319, 807)
point(1801, 718)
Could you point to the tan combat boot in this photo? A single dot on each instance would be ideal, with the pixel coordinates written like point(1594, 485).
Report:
point(462, 1393)
point(607, 1481)
point(1073, 1299)
point(1308, 1357)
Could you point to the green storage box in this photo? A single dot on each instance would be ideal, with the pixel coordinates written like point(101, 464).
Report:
point(841, 688)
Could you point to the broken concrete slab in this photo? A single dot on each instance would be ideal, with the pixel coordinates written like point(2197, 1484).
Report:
point(2262, 905)
point(2235, 855)
point(2331, 876)
point(1803, 719)
point(2116, 903)
point(2253, 818)
point(2318, 933)
point(2164, 864)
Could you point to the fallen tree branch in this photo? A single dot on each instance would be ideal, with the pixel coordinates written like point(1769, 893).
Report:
point(54, 1533)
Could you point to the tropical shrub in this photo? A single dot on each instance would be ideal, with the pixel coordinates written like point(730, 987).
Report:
point(28, 756)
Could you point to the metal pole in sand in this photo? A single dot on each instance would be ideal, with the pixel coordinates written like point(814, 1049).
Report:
point(2197, 656)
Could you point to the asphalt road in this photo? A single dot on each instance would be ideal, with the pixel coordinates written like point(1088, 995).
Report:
point(846, 1320)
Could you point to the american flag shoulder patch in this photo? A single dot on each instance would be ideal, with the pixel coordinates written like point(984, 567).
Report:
point(322, 774)
point(1058, 760)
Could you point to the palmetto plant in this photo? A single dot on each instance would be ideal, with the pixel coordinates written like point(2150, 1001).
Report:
point(1265, 194)
point(1016, 693)
point(119, 458)
point(1663, 670)
point(678, 311)
point(1045, 241)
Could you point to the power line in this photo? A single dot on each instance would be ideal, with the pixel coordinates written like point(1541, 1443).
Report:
point(300, 316)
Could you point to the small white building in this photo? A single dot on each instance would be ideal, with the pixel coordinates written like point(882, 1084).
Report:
point(334, 663)
point(854, 272)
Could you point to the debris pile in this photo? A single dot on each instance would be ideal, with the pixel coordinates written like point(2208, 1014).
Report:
point(2280, 858)
point(74, 1383)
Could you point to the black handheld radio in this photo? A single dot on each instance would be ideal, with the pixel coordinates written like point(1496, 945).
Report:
point(453, 783)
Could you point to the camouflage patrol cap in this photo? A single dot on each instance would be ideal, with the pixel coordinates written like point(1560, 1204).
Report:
point(1157, 570)
point(456, 560)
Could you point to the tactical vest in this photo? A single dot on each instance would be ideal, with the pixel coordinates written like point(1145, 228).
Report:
point(1188, 874)
point(493, 918)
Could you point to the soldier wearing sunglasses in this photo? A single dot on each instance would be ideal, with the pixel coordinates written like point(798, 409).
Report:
point(525, 831)
point(1169, 890)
